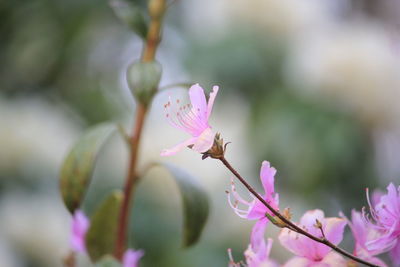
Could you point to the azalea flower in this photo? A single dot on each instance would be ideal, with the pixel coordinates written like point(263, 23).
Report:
point(132, 257)
point(193, 119)
point(385, 213)
point(255, 209)
point(308, 251)
point(80, 225)
point(256, 258)
point(363, 233)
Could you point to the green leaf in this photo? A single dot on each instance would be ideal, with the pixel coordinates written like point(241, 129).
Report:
point(195, 204)
point(78, 166)
point(102, 234)
point(108, 261)
point(131, 15)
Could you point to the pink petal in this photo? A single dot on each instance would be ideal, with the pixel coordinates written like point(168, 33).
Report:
point(332, 259)
point(382, 244)
point(298, 262)
point(205, 141)
point(257, 234)
point(309, 218)
point(132, 257)
point(80, 225)
point(333, 229)
point(395, 254)
point(298, 244)
point(198, 100)
point(178, 147)
point(376, 197)
point(260, 257)
point(213, 94)
point(257, 210)
point(305, 247)
point(267, 174)
point(358, 228)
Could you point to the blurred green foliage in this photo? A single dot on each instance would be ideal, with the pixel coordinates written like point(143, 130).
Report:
point(50, 49)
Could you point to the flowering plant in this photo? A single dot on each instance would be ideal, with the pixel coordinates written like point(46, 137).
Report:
point(314, 239)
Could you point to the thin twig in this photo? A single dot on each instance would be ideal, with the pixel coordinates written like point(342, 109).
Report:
point(290, 224)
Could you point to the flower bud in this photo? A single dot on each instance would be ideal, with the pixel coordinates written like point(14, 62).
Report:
point(143, 79)
point(217, 151)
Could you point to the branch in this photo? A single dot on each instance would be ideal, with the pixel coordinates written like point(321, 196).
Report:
point(290, 224)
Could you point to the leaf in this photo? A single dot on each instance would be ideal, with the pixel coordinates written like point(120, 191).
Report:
point(108, 261)
point(78, 166)
point(131, 15)
point(102, 234)
point(195, 204)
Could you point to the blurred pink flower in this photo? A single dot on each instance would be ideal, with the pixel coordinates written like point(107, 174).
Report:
point(193, 119)
point(310, 252)
point(80, 225)
point(362, 233)
point(132, 257)
point(255, 209)
point(385, 213)
point(256, 258)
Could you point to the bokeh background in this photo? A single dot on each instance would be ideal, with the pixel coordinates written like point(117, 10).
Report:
point(311, 86)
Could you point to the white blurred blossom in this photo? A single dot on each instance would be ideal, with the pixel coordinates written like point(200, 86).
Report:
point(34, 134)
point(354, 67)
point(284, 18)
point(37, 225)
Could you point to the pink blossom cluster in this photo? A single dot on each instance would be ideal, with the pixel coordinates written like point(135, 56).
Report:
point(80, 225)
point(375, 232)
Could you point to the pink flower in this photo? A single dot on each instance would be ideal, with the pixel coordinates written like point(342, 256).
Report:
point(132, 257)
point(363, 233)
point(255, 209)
point(80, 225)
point(256, 258)
point(385, 213)
point(193, 119)
point(310, 252)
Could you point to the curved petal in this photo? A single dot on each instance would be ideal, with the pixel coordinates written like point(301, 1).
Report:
point(333, 229)
point(178, 147)
point(395, 254)
point(298, 262)
point(80, 225)
point(132, 257)
point(305, 247)
point(298, 244)
point(198, 100)
point(333, 259)
point(309, 218)
point(205, 141)
point(358, 228)
point(257, 210)
point(267, 175)
point(210, 104)
point(257, 234)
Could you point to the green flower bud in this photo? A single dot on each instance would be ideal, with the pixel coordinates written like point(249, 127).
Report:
point(143, 79)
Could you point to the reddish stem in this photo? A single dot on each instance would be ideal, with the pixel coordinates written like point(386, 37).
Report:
point(129, 182)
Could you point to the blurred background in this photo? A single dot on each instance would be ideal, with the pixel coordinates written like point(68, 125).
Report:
point(311, 86)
